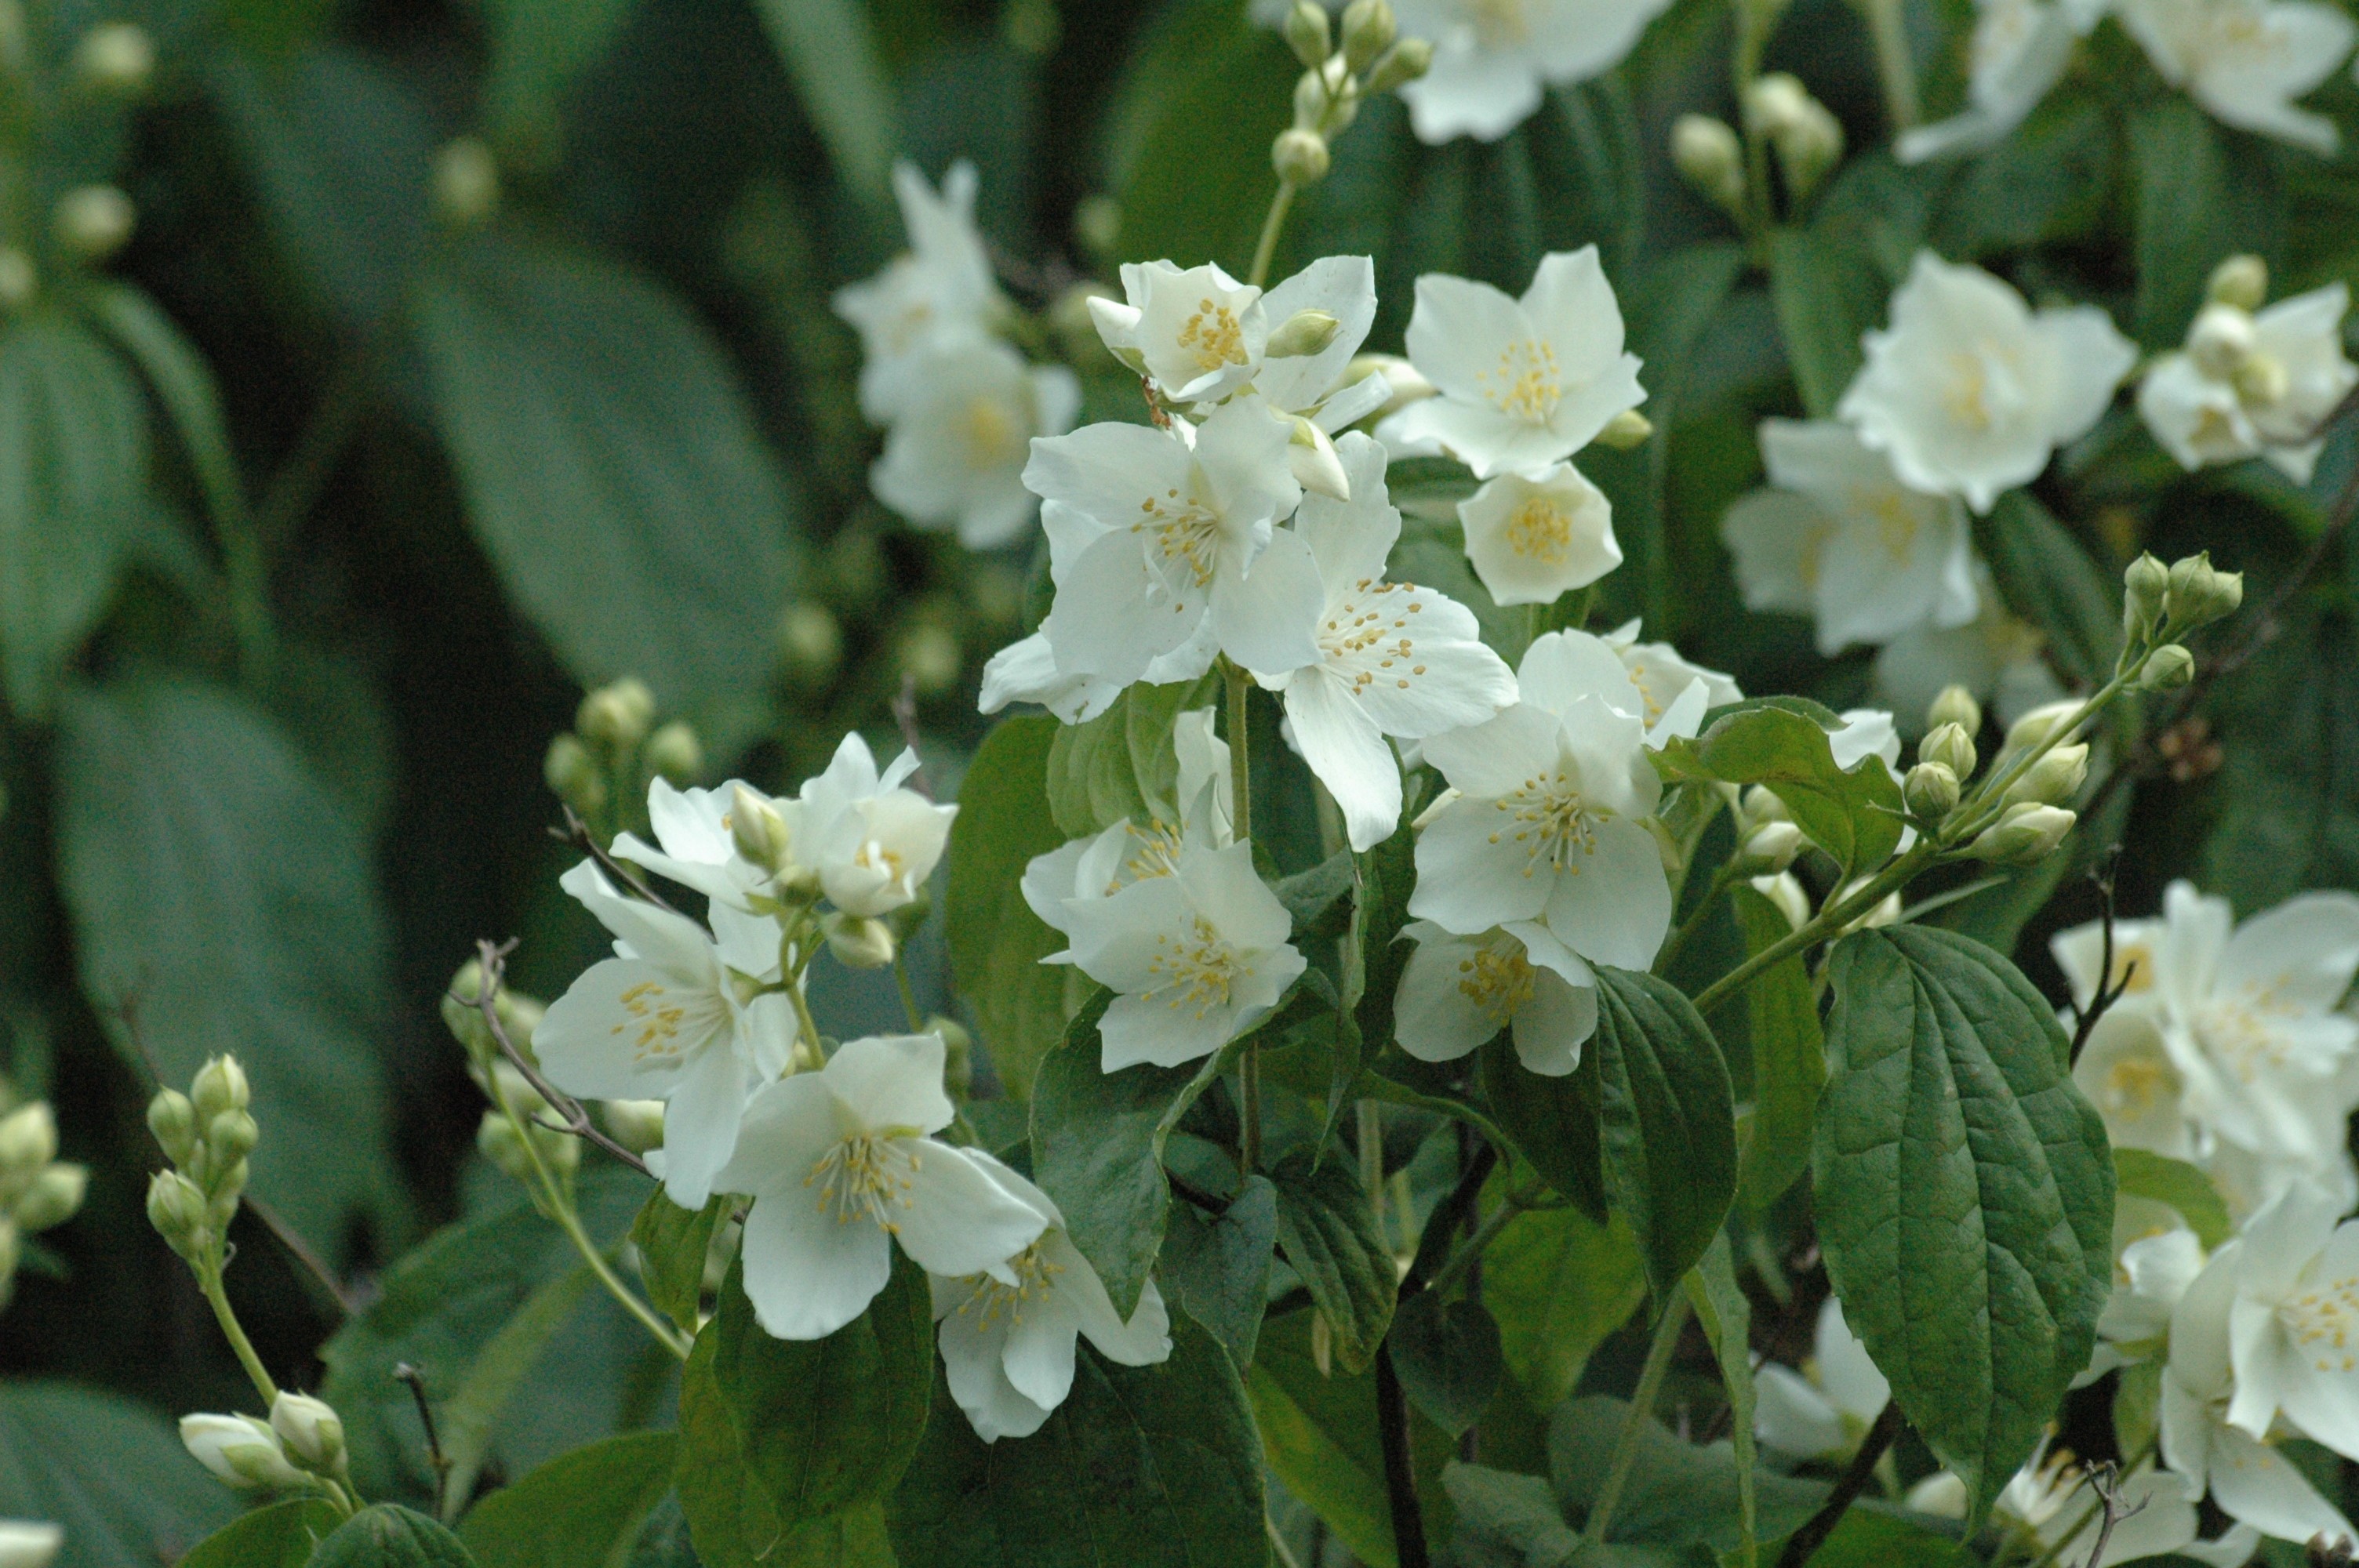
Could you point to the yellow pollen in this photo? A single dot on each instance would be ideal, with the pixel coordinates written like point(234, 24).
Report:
point(866, 1176)
point(2321, 1321)
point(1538, 530)
point(1195, 969)
point(1499, 981)
point(1034, 1280)
point(1551, 819)
point(1181, 531)
point(2134, 1084)
point(1211, 337)
point(1527, 385)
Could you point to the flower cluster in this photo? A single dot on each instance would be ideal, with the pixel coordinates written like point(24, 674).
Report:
point(2251, 382)
point(37, 1190)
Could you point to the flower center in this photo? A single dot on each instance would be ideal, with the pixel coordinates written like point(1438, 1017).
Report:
point(1499, 981)
point(1195, 969)
point(866, 1176)
point(1035, 1282)
point(874, 855)
point(663, 1023)
point(1181, 531)
point(1538, 530)
point(1527, 384)
point(1981, 389)
point(2136, 1085)
point(1555, 822)
point(1896, 519)
point(1156, 854)
point(1365, 630)
point(1499, 24)
point(1211, 337)
point(2237, 1031)
point(991, 434)
point(2321, 1321)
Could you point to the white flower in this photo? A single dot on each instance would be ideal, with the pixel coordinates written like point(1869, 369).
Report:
point(1533, 538)
point(873, 842)
point(2247, 60)
point(1549, 821)
point(1312, 387)
point(2293, 1331)
point(1196, 333)
point(1522, 384)
point(1155, 537)
point(939, 292)
point(2051, 1501)
point(1969, 389)
point(1841, 538)
point(241, 1452)
point(1007, 1338)
point(1025, 671)
point(28, 1543)
point(2127, 1071)
point(2157, 1257)
point(1088, 870)
point(1395, 658)
point(2267, 398)
point(1457, 991)
point(697, 850)
point(1866, 732)
point(1492, 58)
point(2021, 49)
point(956, 453)
point(1664, 677)
point(1658, 688)
point(1823, 1411)
point(675, 1016)
point(1996, 655)
point(839, 1166)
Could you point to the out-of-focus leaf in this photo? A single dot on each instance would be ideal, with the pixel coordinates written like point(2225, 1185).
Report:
point(1559, 1284)
point(2288, 726)
point(499, 1370)
point(2047, 578)
point(1852, 813)
point(183, 385)
point(1789, 1057)
point(1726, 1318)
point(283, 1535)
point(831, 52)
point(112, 1473)
point(611, 467)
point(538, 48)
point(582, 1510)
point(1121, 766)
point(1447, 1357)
point(226, 897)
point(2202, 193)
point(390, 1536)
point(1677, 1494)
point(2184, 1187)
point(672, 1243)
point(1828, 291)
point(2048, 181)
point(996, 942)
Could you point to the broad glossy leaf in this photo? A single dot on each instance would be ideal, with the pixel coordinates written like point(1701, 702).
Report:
point(728, 1511)
point(1677, 1494)
point(1559, 1284)
point(1329, 1232)
point(218, 885)
point(1726, 1318)
point(283, 1535)
point(1852, 814)
point(611, 467)
point(672, 1243)
point(390, 1536)
point(1555, 1122)
point(1964, 1192)
point(1790, 1058)
point(582, 1510)
point(1447, 1357)
point(1828, 291)
point(2184, 1187)
point(112, 1473)
point(1140, 1467)
point(1216, 1268)
point(996, 942)
point(1669, 1125)
point(1120, 766)
point(1506, 1519)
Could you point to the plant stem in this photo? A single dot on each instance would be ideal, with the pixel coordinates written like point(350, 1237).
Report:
point(1400, 1476)
point(1888, 26)
point(1470, 1252)
point(908, 992)
point(1828, 921)
point(1266, 251)
point(1855, 1478)
point(1240, 691)
point(209, 1280)
point(1667, 1329)
point(1745, 67)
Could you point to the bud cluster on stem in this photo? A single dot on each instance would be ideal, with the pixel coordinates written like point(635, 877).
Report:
point(614, 748)
point(37, 1191)
point(1344, 64)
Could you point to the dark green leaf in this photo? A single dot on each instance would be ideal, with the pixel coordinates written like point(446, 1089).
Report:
point(728, 1510)
point(2288, 725)
point(1852, 814)
point(113, 1475)
point(829, 50)
point(2048, 181)
point(1121, 766)
point(672, 1244)
point(1329, 1232)
point(1677, 1494)
point(183, 385)
point(470, 1412)
point(829, 1424)
point(390, 1536)
point(1868, 1539)
point(1217, 1269)
point(1790, 1058)
point(1670, 1124)
point(214, 881)
point(1828, 291)
point(1140, 1467)
point(1320, 899)
point(611, 467)
point(1507, 1519)
point(1559, 1284)
point(1965, 1192)
point(283, 1535)
point(1555, 1122)
point(1447, 1357)
point(538, 48)
point(582, 1510)
point(2139, 1174)
point(2049, 579)
point(996, 942)
point(2203, 192)
point(1726, 1318)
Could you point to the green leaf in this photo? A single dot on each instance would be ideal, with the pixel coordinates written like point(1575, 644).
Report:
point(183, 385)
point(1447, 1357)
point(582, 1510)
point(112, 1472)
point(73, 465)
point(499, 1370)
point(1852, 814)
point(283, 1535)
point(390, 1536)
point(996, 942)
point(1867, 1538)
point(540, 47)
point(1507, 1519)
point(2202, 193)
point(1559, 1284)
point(2051, 179)
point(831, 52)
point(214, 882)
point(672, 1244)
point(1319, 901)
point(1827, 292)
point(1677, 1494)
point(2288, 724)
point(1964, 1192)
point(1331, 1235)
point(829, 1424)
point(1789, 1057)
point(1670, 1124)
point(728, 1511)
point(1121, 766)
point(1726, 1318)
point(1140, 1467)
point(1217, 1268)
point(2049, 579)
point(1554, 1121)
point(611, 467)
point(2139, 1174)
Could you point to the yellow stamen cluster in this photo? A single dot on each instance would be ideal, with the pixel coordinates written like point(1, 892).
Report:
point(867, 1177)
point(1195, 969)
point(1351, 632)
point(1527, 385)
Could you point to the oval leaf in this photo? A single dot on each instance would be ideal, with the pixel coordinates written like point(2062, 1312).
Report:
point(578, 1511)
point(1669, 1120)
point(1790, 1056)
point(1329, 1232)
point(390, 1536)
point(283, 1535)
point(1854, 816)
point(996, 942)
point(112, 1473)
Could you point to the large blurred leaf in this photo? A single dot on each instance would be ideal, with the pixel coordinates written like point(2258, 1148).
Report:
point(1677, 1494)
point(2049, 579)
point(1560, 1285)
point(1828, 291)
point(538, 48)
point(2203, 192)
point(390, 1536)
point(831, 52)
point(1789, 1057)
point(2048, 181)
point(2288, 725)
point(223, 896)
point(283, 1535)
point(611, 467)
point(996, 942)
point(112, 1475)
point(582, 1510)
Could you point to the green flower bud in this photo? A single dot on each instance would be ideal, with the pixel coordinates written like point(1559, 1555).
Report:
point(759, 830)
point(573, 775)
point(635, 1124)
point(1952, 747)
point(2054, 779)
point(617, 716)
point(859, 943)
point(2200, 593)
point(674, 753)
point(2035, 727)
point(1709, 157)
point(958, 1056)
point(177, 1208)
point(227, 1188)
point(1930, 790)
point(1760, 805)
point(2145, 583)
point(1304, 332)
point(1770, 848)
point(116, 59)
point(931, 656)
point(94, 222)
point(466, 184)
point(1300, 156)
point(1956, 705)
point(54, 1197)
point(1308, 35)
point(1626, 432)
point(496, 1139)
point(2026, 833)
point(2169, 669)
point(28, 1139)
point(20, 280)
point(1403, 63)
point(1369, 28)
point(220, 1086)
point(2241, 281)
point(312, 1431)
point(173, 1121)
point(241, 1452)
point(811, 643)
point(231, 1136)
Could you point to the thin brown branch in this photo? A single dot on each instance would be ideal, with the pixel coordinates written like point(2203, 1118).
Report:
point(494, 958)
point(577, 833)
point(2110, 987)
point(1855, 1478)
point(905, 715)
point(403, 1372)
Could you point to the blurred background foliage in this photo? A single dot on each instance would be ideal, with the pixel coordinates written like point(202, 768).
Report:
point(465, 354)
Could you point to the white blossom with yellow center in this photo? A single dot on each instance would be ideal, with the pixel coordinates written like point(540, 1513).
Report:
point(1969, 390)
point(873, 842)
point(955, 456)
point(841, 1165)
point(696, 848)
point(1457, 991)
point(1493, 59)
point(1008, 1337)
point(2293, 1326)
point(1822, 1410)
point(2266, 396)
point(938, 295)
point(2246, 61)
point(1196, 333)
point(1088, 870)
point(1532, 539)
point(1657, 687)
point(1522, 384)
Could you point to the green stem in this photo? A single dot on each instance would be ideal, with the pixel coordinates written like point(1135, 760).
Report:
point(1266, 251)
point(908, 992)
point(805, 1023)
point(1888, 27)
point(1642, 1405)
point(1240, 690)
point(209, 1280)
point(1744, 69)
point(1827, 922)
point(1470, 1249)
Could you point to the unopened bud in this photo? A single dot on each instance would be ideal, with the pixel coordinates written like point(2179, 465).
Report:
point(1771, 847)
point(29, 1544)
point(1304, 332)
point(2169, 669)
point(617, 715)
point(1956, 705)
point(1952, 747)
point(2035, 727)
point(312, 1431)
point(20, 281)
point(1774, 103)
point(811, 643)
point(497, 1140)
point(1626, 432)
point(231, 1136)
point(54, 1197)
point(1300, 156)
point(1308, 34)
point(1809, 147)
point(635, 1124)
point(2145, 583)
point(2025, 833)
point(241, 1452)
point(1786, 892)
point(1097, 222)
point(173, 1121)
point(220, 1086)
point(2055, 778)
point(858, 943)
point(1709, 157)
point(177, 1208)
point(2262, 380)
point(759, 830)
point(1369, 28)
point(958, 1056)
point(1405, 62)
point(2220, 340)
point(94, 222)
point(1930, 790)
point(2201, 593)
point(28, 1139)
point(674, 752)
point(572, 775)
point(227, 1187)
point(116, 59)
point(466, 183)
point(1759, 804)
point(2241, 281)
point(931, 657)
point(1318, 467)
point(1408, 382)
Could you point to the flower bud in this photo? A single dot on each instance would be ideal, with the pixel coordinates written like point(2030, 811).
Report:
point(1304, 332)
point(2262, 380)
point(1956, 705)
point(1369, 28)
point(12, 1252)
point(2220, 340)
point(758, 830)
point(28, 1139)
point(54, 1197)
point(241, 1452)
point(116, 59)
point(1771, 847)
point(1308, 34)
point(1626, 432)
point(617, 715)
point(466, 184)
point(930, 656)
point(1405, 62)
point(1777, 101)
point(958, 1056)
point(312, 1431)
point(674, 753)
point(220, 1086)
point(1784, 890)
point(2035, 727)
point(173, 1121)
point(1408, 382)
point(29, 1544)
point(94, 222)
point(2200, 593)
point(1930, 790)
point(810, 642)
point(858, 943)
point(1300, 156)
point(2169, 669)
point(2054, 779)
point(231, 1137)
point(635, 1124)
point(497, 1140)
point(572, 775)
point(1809, 147)
point(2241, 281)
point(1324, 99)
point(2027, 832)
point(1709, 157)
point(177, 1208)
point(1951, 746)
point(1316, 464)
point(20, 281)
point(1759, 804)
point(2144, 582)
